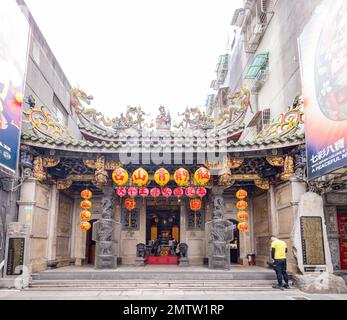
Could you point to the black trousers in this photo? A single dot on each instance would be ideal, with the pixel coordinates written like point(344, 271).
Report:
point(280, 267)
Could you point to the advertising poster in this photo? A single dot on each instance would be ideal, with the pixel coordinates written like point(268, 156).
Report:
point(14, 33)
point(323, 57)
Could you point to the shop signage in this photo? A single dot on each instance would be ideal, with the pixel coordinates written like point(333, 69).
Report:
point(323, 55)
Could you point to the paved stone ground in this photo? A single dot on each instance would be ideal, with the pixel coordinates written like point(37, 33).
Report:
point(291, 294)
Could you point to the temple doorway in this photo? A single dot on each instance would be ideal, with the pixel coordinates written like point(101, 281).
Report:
point(162, 234)
point(235, 244)
point(90, 245)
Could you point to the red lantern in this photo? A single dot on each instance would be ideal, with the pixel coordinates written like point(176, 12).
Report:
point(130, 204)
point(132, 192)
point(85, 226)
point(241, 194)
point(201, 192)
point(178, 192)
point(243, 227)
point(195, 204)
point(86, 194)
point(121, 192)
point(85, 215)
point(242, 205)
point(155, 192)
point(86, 204)
point(190, 192)
point(144, 192)
point(166, 192)
point(242, 215)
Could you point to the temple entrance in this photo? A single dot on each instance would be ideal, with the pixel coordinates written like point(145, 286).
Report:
point(162, 234)
point(90, 245)
point(235, 244)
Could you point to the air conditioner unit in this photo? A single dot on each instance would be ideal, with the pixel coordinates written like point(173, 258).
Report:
point(258, 28)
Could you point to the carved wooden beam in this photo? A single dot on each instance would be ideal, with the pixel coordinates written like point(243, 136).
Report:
point(263, 184)
point(39, 171)
point(275, 161)
point(51, 162)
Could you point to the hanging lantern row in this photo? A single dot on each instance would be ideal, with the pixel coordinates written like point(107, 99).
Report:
point(85, 215)
point(242, 215)
point(166, 192)
point(140, 177)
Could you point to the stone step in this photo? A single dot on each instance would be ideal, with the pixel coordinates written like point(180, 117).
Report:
point(153, 276)
point(148, 285)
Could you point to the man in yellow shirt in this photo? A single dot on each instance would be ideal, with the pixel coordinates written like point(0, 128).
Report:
point(279, 255)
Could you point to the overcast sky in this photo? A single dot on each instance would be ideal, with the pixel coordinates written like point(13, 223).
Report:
point(138, 52)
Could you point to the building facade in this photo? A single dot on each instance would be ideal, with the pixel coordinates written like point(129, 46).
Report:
point(251, 137)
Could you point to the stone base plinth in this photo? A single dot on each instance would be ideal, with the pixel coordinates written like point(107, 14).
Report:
point(320, 283)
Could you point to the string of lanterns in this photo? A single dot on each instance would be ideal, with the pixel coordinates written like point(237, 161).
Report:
point(242, 215)
point(140, 180)
point(85, 215)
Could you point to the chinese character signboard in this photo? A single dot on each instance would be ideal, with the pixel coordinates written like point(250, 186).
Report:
point(14, 31)
point(323, 53)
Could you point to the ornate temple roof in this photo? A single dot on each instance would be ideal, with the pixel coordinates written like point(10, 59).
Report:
point(196, 133)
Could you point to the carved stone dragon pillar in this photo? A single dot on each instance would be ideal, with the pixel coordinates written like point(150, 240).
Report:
point(105, 233)
point(220, 233)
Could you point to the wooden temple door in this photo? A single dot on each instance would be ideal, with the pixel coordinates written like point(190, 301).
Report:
point(90, 245)
point(342, 225)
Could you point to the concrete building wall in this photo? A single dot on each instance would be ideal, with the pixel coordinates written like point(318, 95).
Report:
point(280, 39)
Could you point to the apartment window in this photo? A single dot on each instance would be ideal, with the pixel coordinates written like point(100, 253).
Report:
point(264, 120)
point(60, 111)
point(260, 63)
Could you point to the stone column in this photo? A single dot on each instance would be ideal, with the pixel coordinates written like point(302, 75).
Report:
point(273, 215)
point(52, 231)
point(104, 233)
point(220, 232)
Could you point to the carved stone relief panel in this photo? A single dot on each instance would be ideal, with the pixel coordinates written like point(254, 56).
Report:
point(40, 223)
point(261, 215)
point(337, 198)
point(283, 196)
point(42, 196)
point(335, 252)
point(330, 213)
point(64, 226)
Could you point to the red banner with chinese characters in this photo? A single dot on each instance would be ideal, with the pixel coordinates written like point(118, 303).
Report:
point(323, 55)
